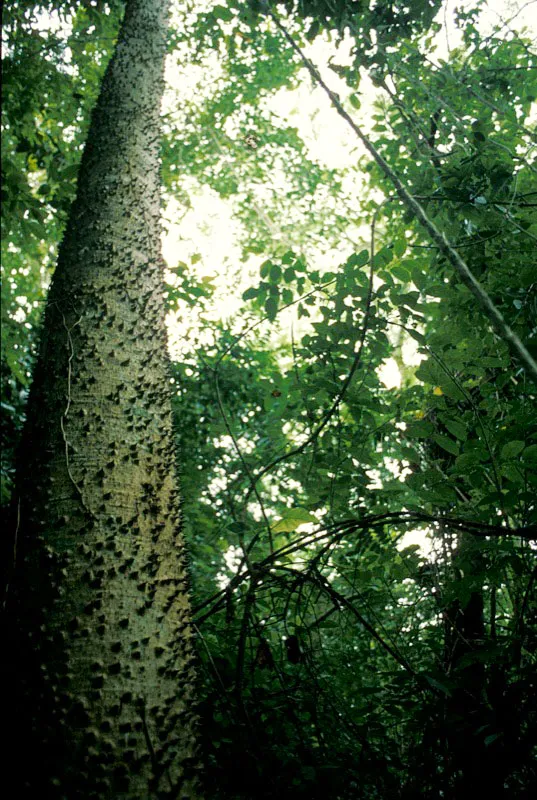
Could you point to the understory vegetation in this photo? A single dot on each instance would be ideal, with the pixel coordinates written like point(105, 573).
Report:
point(356, 424)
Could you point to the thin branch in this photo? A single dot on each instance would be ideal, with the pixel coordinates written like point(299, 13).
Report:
point(339, 530)
point(494, 315)
point(253, 481)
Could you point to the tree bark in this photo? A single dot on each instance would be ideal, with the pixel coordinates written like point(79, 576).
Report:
point(475, 766)
point(101, 669)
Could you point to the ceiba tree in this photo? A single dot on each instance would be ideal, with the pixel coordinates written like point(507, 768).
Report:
point(101, 675)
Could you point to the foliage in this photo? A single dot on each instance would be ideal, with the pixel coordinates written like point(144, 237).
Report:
point(50, 82)
point(386, 22)
point(338, 657)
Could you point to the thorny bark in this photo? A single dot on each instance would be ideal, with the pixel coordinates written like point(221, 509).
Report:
point(101, 673)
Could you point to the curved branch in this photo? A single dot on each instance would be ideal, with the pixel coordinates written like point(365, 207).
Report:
point(340, 529)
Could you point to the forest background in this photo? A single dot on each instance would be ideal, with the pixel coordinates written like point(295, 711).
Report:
point(357, 442)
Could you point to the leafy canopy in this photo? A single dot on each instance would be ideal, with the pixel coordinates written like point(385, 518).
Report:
point(356, 567)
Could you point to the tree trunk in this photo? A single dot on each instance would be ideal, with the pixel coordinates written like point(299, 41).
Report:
point(475, 766)
point(101, 657)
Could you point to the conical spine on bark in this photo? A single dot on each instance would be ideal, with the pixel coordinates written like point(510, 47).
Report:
point(103, 674)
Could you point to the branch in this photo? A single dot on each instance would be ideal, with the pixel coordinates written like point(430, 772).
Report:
point(494, 315)
point(340, 529)
point(340, 600)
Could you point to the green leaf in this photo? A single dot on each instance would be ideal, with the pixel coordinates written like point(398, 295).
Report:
point(399, 247)
point(456, 428)
point(275, 273)
point(401, 273)
point(68, 173)
point(512, 449)
point(264, 268)
point(442, 290)
point(530, 454)
point(291, 519)
point(271, 307)
point(313, 30)
point(288, 257)
point(442, 686)
point(466, 461)
point(419, 278)
point(221, 12)
point(420, 430)
point(358, 259)
point(491, 361)
point(416, 335)
point(383, 257)
point(446, 444)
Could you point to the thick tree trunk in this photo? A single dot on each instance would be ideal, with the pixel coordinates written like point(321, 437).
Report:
point(101, 654)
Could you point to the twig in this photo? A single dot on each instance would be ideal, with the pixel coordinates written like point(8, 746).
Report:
point(253, 481)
